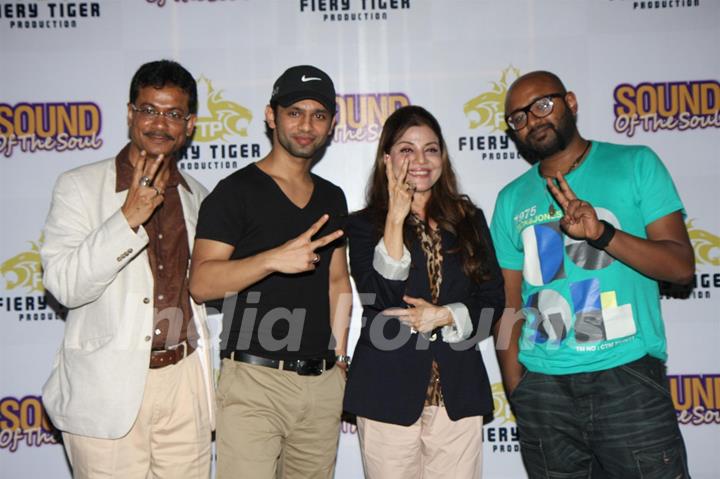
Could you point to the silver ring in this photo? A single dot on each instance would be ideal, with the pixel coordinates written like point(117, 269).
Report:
point(316, 259)
point(145, 181)
point(157, 190)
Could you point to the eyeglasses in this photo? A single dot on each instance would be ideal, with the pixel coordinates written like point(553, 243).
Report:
point(150, 113)
point(540, 108)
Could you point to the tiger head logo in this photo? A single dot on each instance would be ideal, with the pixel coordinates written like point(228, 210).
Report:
point(218, 117)
point(488, 109)
point(24, 270)
point(501, 406)
point(705, 244)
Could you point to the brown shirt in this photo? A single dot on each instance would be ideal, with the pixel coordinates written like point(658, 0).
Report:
point(169, 257)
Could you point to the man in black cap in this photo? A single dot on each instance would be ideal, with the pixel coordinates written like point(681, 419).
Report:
point(268, 238)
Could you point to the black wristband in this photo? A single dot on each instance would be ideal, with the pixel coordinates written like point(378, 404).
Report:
point(605, 237)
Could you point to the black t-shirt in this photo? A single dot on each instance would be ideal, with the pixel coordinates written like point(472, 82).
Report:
point(282, 316)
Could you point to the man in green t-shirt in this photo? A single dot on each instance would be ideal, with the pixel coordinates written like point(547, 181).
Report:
point(582, 237)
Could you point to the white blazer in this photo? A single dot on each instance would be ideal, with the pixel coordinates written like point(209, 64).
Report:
point(95, 265)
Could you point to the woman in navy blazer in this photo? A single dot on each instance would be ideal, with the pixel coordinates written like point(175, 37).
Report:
point(424, 265)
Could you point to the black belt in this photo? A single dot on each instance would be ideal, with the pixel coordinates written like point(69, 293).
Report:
point(304, 367)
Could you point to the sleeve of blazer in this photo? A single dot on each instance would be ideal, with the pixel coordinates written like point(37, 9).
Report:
point(487, 300)
point(80, 259)
point(362, 243)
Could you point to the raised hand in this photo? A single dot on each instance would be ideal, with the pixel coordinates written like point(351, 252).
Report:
point(143, 197)
point(298, 255)
point(423, 316)
point(580, 220)
point(400, 193)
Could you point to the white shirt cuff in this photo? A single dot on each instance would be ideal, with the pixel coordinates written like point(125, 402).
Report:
point(387, 266)
point(461, 327)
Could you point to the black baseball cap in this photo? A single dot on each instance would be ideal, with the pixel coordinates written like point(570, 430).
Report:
point(303, 82)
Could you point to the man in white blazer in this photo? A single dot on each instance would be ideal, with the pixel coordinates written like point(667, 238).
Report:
point(131, 388)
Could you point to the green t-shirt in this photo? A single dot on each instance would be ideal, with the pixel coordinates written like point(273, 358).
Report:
point(585, 311)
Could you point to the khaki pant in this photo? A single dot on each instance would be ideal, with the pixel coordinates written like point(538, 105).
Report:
point(433, 448)
point(170, 438)
point(274, 423)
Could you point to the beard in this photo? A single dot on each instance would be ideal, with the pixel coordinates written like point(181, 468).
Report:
point(558, 139)
point(307, 152)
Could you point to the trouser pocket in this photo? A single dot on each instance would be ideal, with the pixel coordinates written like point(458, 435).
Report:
point(662, 461)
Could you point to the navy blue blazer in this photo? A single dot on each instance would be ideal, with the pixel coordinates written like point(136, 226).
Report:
point(391, 367)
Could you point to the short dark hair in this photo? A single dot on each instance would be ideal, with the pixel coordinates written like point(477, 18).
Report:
point(161, 73)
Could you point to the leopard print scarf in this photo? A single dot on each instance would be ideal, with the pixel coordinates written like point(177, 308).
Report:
point(431, 244)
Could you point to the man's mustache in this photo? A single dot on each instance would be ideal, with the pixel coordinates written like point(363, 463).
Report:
point(542, 127)
point(162, 134)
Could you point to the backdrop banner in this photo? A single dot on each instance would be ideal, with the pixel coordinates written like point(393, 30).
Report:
point(645, 72)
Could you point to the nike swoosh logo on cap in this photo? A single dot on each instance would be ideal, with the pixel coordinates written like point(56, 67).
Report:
point(307, 79)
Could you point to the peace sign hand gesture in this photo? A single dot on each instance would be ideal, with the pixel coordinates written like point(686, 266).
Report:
point(580, 220)
point(400, 193)
point(298, 255)
point(143, 196)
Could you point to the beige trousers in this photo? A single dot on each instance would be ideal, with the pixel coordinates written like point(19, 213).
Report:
point(170, 438)
point(277, 424)
point(435, 447)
